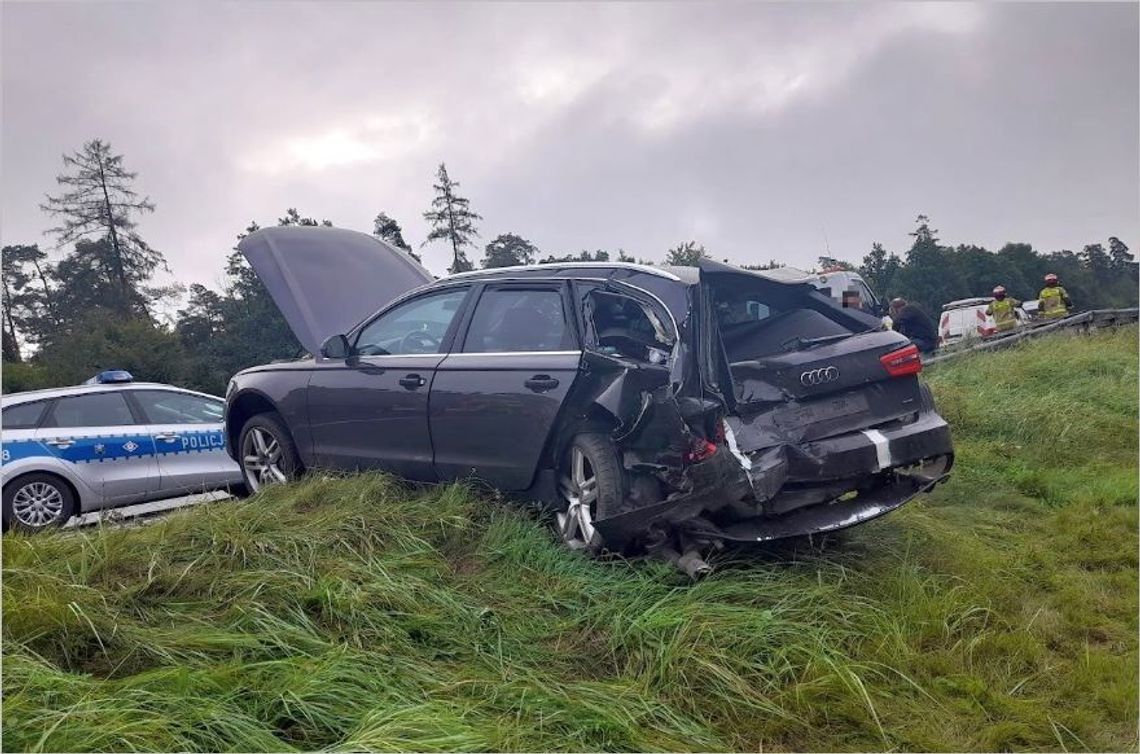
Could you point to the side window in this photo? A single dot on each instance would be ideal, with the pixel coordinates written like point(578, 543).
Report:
point(417, 326)
point(170, 407)
point(91, 410)
point(22, 415)
point(622, 326)
point(512, 320)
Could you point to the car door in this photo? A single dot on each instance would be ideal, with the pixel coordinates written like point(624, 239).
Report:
point(497, 395)
point(370, 411)
point(189, 439)
point(105, 440)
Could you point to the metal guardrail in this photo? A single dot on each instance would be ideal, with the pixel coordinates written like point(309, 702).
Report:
point(1085, 321)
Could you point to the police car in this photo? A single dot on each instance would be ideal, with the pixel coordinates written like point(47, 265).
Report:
point(108, 442)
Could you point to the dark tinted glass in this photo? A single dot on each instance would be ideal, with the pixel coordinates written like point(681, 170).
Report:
point(92, 410)
point(169, 407)
point(511, 320)
point(22, 415)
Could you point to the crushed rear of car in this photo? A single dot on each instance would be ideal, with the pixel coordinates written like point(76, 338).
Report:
point(798, 417)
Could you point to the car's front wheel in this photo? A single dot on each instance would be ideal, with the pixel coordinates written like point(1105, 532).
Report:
point(590, 482)
point(37, 501)
point(268, 455)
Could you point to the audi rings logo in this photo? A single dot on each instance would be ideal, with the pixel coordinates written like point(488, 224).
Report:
point(819, 376)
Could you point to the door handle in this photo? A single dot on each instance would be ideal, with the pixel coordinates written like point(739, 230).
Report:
point(61, 444)
point(167, 436)
point(413, 381)
point(541, 382)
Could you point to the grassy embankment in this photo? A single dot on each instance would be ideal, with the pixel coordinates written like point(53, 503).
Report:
point(998, 613)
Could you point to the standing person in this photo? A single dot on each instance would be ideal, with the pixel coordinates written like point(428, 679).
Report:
point(1004, 310)
point(1053, 301)
point(912, 322)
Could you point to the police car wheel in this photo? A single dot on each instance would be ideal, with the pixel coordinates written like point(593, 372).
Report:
point(267, 453)
point(35, 502)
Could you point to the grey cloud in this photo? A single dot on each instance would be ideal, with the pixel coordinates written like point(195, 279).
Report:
point(758, 129)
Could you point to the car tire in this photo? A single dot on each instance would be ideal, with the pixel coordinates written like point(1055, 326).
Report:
point(267, 455)
point(37, 501)
point(591, 483)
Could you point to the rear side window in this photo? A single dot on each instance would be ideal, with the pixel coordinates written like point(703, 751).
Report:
point(92, 410)
point(22, 415)
point(170, 407)
point(513, 320)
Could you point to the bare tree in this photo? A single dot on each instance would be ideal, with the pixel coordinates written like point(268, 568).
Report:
point(451, 218)
point(98, 200)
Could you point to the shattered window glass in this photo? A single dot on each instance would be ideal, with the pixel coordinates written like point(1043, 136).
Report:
point(624, 327)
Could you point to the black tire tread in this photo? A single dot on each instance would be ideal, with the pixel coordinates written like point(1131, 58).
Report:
point(600, 451)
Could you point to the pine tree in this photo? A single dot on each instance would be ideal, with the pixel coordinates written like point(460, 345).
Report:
point(24, 305)
point(387, 229)
point(451, 219)
point(99, 201)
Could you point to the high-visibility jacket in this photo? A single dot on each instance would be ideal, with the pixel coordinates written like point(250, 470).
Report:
point(1004, 312)
point(1054, 302)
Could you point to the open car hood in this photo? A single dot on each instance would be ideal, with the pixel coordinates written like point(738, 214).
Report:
point(325, 280)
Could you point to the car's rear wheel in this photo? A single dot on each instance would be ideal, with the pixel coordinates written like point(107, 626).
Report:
point(37, 501)
point(591, 484)
point(268, 455)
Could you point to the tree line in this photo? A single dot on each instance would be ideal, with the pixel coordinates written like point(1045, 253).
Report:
point(96, 306)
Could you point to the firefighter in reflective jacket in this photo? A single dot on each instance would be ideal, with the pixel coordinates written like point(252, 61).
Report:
point(1004, 310)
point(1053, 301)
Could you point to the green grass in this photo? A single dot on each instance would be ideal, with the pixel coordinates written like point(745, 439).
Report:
point(999, 613)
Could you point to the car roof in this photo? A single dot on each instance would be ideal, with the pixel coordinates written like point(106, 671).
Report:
point(553, 268)
point(964, 303)
point(58, 392)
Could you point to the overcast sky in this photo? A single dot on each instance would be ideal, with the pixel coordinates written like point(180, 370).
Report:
point(763, 131)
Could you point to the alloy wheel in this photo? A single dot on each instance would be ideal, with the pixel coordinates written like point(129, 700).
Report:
point(579, 487)
point(261, 459)
point(37, 505)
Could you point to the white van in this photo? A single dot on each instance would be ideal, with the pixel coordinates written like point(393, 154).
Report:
point(966, 319)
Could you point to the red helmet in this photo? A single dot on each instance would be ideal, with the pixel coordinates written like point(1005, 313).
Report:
point(999, 292)
point(1050, 278)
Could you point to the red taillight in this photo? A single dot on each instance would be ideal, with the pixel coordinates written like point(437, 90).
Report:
point(902, 362)
point(700, 450)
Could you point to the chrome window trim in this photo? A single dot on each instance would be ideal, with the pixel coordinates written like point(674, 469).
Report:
point(373, 356)
point(515, 353)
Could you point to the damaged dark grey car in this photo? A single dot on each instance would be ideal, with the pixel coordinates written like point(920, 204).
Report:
point(666, 409)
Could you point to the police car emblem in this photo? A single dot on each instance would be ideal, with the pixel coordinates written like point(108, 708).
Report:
point(130, 446)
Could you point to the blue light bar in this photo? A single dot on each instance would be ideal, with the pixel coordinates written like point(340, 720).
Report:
point(110, 377)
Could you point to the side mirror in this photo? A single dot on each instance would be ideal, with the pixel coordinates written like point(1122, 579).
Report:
point(336, 347)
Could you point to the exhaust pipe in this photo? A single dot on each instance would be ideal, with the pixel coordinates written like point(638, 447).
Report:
point(690, 563)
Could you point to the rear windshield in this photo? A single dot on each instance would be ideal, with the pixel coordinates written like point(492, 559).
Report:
point(757, 317)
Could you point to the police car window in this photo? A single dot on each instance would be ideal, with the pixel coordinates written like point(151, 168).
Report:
point(513, 320)
point(414, 327)
point(91, 410)
point(22, 415)
point(169, 407)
